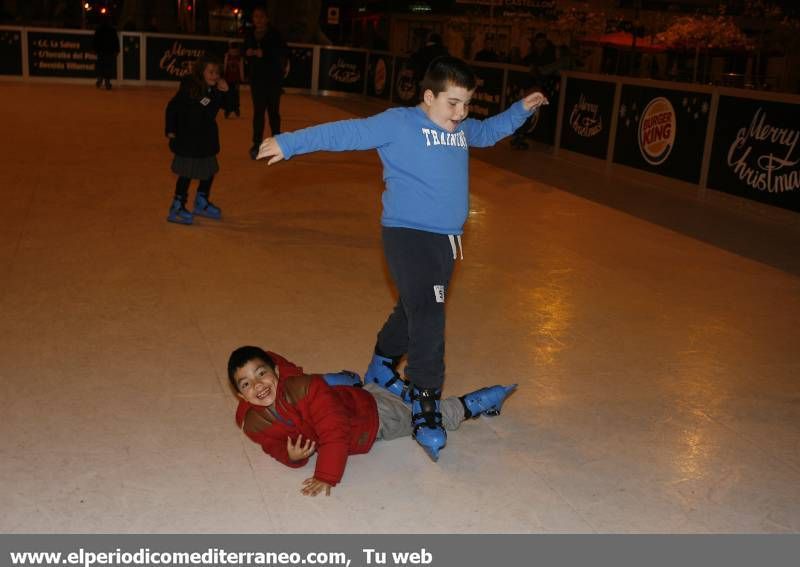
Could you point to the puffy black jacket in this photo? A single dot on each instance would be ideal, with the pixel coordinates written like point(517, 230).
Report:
point(194, 122)
point(105, 40)
point(268, 69)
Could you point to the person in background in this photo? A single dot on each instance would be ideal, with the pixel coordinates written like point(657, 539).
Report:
point(542, 59)
point(421, 59)
point(234, 76)
point(543, 62)
point(191, 127)
point(267, 56)
point(487, 53)
point(106, 44)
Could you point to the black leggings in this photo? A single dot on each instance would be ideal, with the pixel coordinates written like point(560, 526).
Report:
point(182, 187)
point(105, 66)
point(265, 99)
point(232, 98)
point(420, 264)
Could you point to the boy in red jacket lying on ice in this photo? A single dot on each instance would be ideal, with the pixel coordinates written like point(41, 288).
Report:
point(293, 415)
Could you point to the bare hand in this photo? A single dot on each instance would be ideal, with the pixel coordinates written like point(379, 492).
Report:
point(250, 52)
point(171, 135)
point(313, 486)
point(534, 100)
point(222, 85)
point(299, 451)
point(258, 52)
point(270, 149)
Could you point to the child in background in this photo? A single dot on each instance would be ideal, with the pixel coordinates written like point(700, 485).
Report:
point(234, 76)
point(293, 415)
point(425, 155)
point(191, 126)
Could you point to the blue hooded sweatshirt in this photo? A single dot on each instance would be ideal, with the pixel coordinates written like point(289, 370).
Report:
point(425, 167)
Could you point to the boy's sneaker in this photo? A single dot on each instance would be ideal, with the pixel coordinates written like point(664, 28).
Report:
point(178, 213)
point(205, 208)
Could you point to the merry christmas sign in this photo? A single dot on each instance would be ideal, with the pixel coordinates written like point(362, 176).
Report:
point(756, 153)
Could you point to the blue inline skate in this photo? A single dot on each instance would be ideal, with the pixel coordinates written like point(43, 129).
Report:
point(381, 371)
point(426, 417)
point(486, 401)
point(205, 208)
point(343, 378)
point(178, 213)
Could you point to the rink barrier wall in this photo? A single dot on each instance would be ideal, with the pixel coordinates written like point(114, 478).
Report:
point(736, 142)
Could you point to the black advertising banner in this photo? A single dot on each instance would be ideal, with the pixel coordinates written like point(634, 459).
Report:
point(62, 54)
point(542, 125)
point(10, 52)
point(301, 66)
point(379, 75)
point(662, 131)
point(342, 70)
point(131, 49)
point(755, 153)
point(405, 87)
point(588, 106)
point(171, 58)
point(486, 100)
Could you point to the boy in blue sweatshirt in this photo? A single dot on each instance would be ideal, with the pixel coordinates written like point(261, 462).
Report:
point(424, 150)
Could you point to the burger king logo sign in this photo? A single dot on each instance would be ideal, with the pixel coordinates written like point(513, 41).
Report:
point(657, 131)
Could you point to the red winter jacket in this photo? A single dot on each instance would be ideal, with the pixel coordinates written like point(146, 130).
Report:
point(341, 420)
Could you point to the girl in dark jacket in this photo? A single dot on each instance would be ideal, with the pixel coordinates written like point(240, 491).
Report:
point(191, 126)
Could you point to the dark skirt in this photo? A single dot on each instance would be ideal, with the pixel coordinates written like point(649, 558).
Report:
point(195, 168)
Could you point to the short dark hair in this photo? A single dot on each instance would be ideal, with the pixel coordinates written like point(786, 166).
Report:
point(242, 356)
point(447, 70)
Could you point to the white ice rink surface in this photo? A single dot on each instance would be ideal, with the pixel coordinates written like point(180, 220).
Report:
point(654, 338)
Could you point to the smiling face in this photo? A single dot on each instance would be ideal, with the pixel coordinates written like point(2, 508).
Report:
point(211, 74)
point(257, 383)
point(449, 107)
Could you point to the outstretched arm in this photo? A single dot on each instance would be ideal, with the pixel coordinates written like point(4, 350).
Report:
point(534, 101)
point(270, 149)
point(344, 135)
point(484, 133)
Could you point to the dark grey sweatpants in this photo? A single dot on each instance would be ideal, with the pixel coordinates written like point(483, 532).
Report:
point(420, 264)
point(394, 416)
